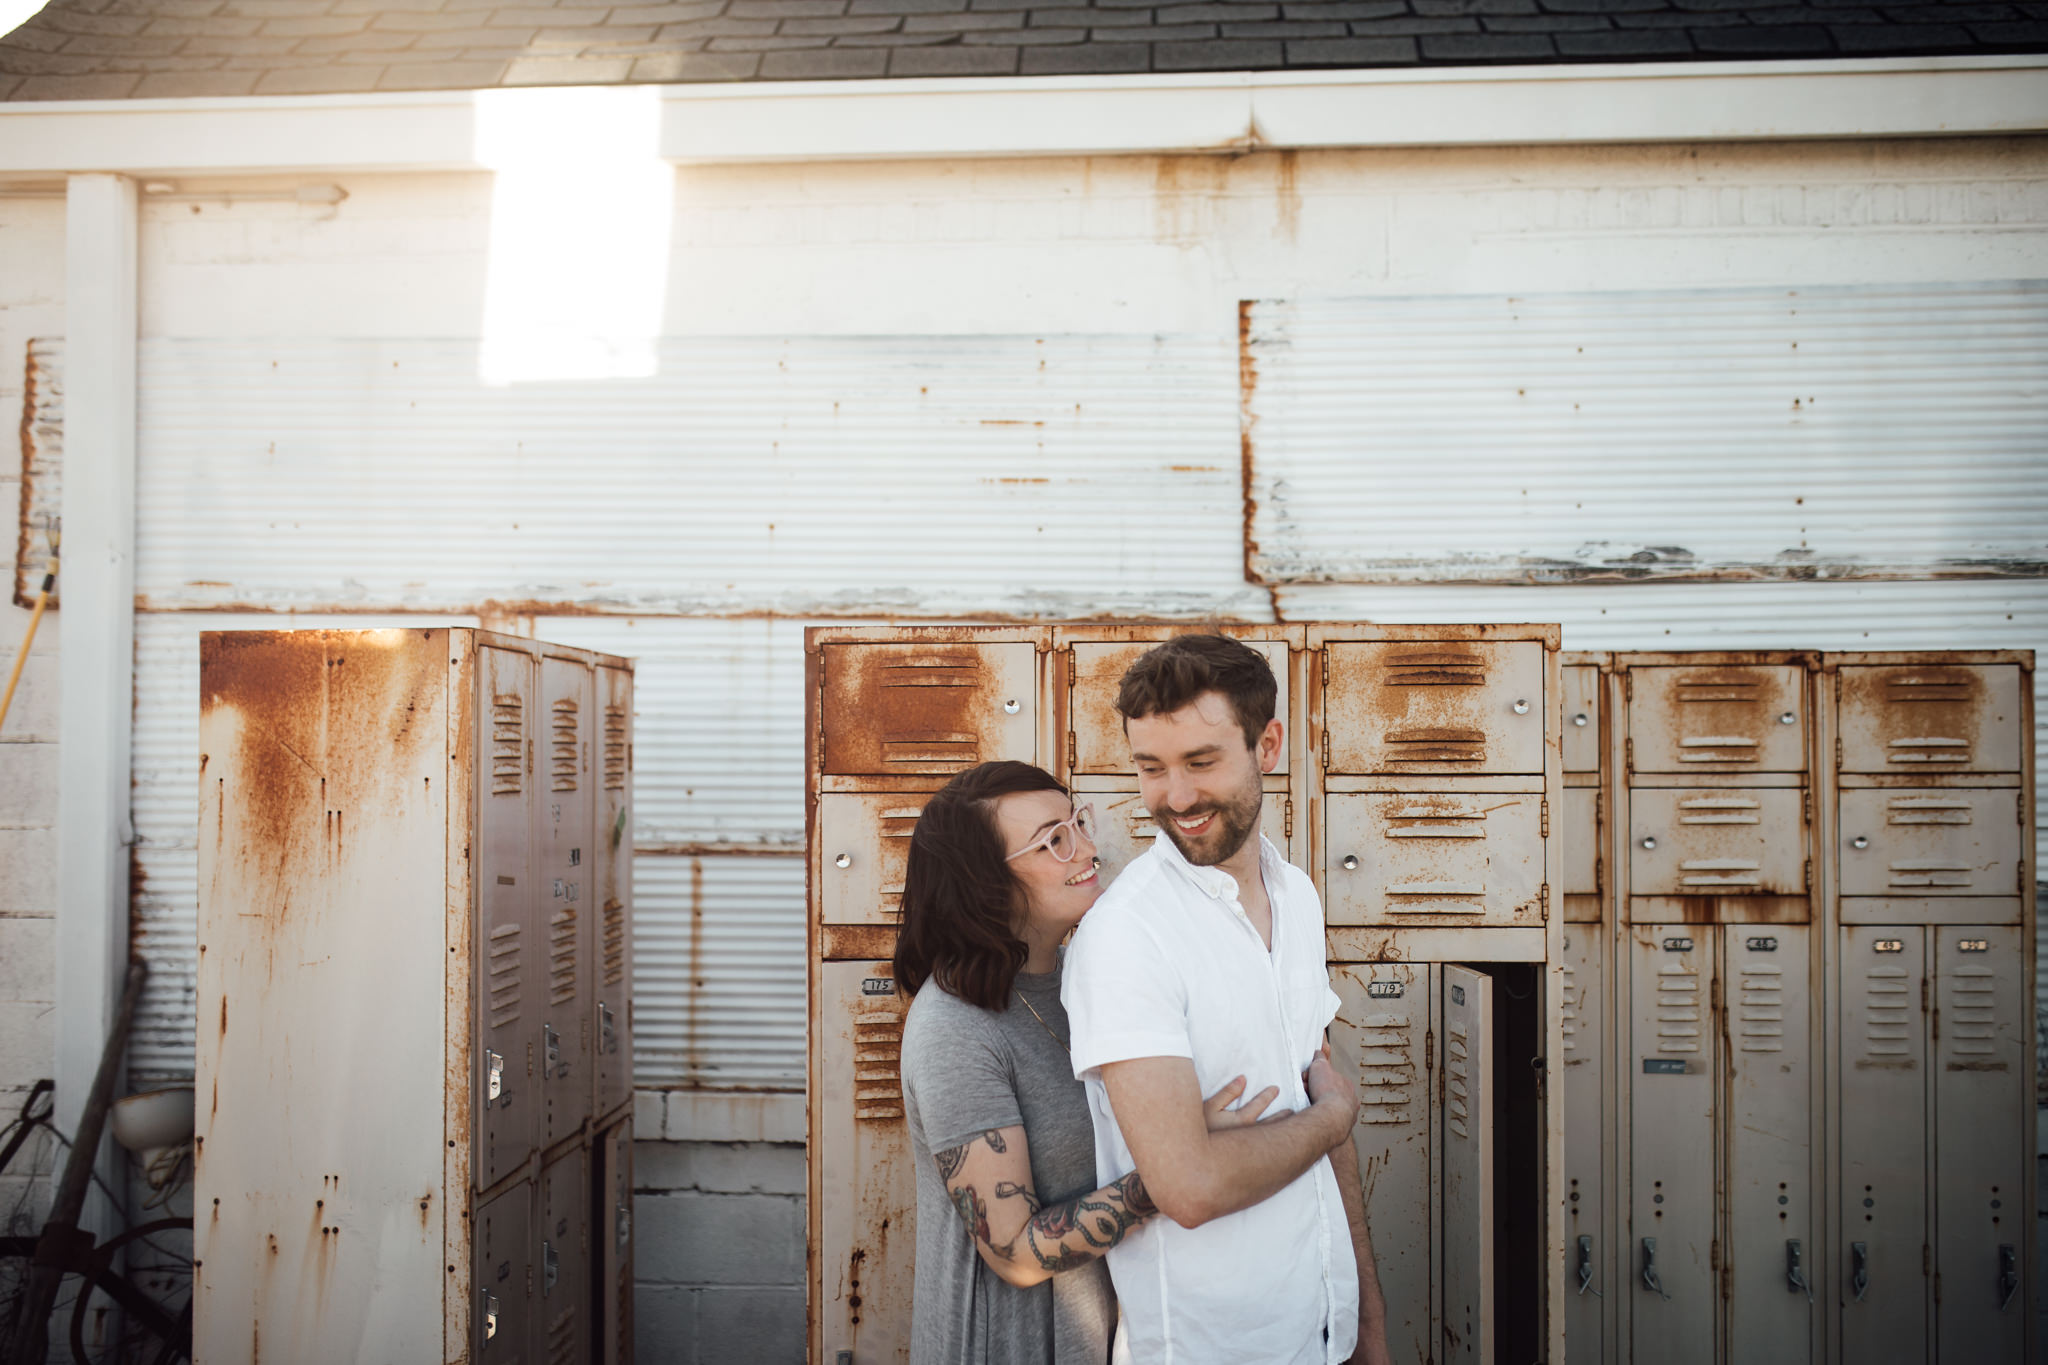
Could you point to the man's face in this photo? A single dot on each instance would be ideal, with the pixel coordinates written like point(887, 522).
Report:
point(1199, 778)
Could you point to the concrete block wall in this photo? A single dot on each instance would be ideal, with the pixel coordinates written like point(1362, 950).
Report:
point(719, 1252)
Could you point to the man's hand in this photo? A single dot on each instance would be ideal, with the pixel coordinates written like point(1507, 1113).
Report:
point(1218, 1115)
point(1331, 1090)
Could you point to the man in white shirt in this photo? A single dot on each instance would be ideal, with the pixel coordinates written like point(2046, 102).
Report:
point(1205, 961)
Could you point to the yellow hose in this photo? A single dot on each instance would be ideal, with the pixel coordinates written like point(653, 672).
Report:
point(42, 601)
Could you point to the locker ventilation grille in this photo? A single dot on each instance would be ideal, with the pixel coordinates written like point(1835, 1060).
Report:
point(614, 942)
point(562, 1338)
point(1434, 669)
point(954, 749)
point(614, 748)
point(1760, 1013)
point(1436, 744)
point(562, 750)
point(1568, 1011)
point(878, 1067)
point(1911, 687)
point(1888, 1015)
point(1678, 1008)
point(1458, 1079)
point(1386, 1068)
point(508, 745)
point(562, 936)
point(505, 974)
point(1970, 1024)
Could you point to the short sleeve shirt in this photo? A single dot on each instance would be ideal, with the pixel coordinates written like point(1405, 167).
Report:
point(1167, 964)
point(967, 1071)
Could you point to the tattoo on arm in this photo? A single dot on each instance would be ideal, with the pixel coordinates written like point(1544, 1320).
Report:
point(950, 1161)
point(1102, 1220)
point(1010, 1189)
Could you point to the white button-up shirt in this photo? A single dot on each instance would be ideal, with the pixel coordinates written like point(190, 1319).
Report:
point(1167, 964)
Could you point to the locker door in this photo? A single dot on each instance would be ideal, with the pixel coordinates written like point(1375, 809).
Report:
point(612, 960)
point(1931, 843)
point(867, 1186)
point(612, 1229)
point(1981, 1078)
point(1587, 1274)
point(1434, 706)
point(561, 1269)
point(1931, 717)
point(1582, 719)
point(567, 822)
point(501, 1316)
point(1773, 1250)
point(1878, 1255)
point(1714, 718)
point(927, 707)
point(1673, 1300)
point(1124, 829)
point(1098, 744)
point(1717, 842)
point(1467, 1122)
point(1434, 857)
point(865, 845)
point(507, 957)
point(1383, 1030)
point(1580, 836)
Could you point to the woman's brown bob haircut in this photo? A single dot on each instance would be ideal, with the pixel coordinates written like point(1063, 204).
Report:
point(1171, 675)
point(959, 897)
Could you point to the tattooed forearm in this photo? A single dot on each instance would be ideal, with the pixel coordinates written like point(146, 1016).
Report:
point(973, 1212)
point(1010, 1189)
point(1101, 1220)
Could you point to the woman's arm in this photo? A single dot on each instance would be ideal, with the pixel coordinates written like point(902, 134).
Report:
point(988, 1179)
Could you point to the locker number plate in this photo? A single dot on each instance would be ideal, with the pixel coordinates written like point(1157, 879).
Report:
point(1677, 945)
point(1663, 1066)
point(877, 985)
point(1394, 990)
point(1890, 945)
point(1973, 945)
point(1763, 945)
point(1457, 995)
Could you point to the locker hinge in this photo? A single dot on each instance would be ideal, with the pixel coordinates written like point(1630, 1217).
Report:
point(1806, 876)
point(1543, 814)
point(1543, 901)
point(1714, 1002)
point(1806, 808)
point(1600, 874)
point(529, 756)
point(1287, 818)
point(1072, 755)
point(1429, 1049)
point(1838, 753)
point(1326, 749)
point(1628, 756)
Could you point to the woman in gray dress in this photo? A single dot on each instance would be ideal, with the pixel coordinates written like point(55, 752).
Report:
point(1011, 1226)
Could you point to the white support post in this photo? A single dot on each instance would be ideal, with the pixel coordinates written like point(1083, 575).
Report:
point(97, 633)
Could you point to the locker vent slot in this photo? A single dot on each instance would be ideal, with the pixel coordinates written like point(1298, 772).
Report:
point(1970, 1023)
point(1436, 744)
point(962, 750)
point(1434, 669)
point(1721, 872)
point(1760, 1012)
point(1928, 749)
point(1436, 822)
point(614, 748)
point(614, 942)
point(562, 1342)
point(1908, 687)
point(1436, 898)
point(1713, 688)
point(1888, 1007)
point(878, 1067)
point(508, 744)
point(1720, 810)
point(1568, 1012)
point(1928, 872)
point(1927, 810)
point(504, 974)
point(562, 750)
point(1678, 1008)
point(1717, 749)
point(933, 670)
point(1458, 1078)
point(1386, 1069)
point(562, 936)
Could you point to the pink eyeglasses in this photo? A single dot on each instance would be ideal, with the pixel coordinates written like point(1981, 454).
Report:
point(1061, 840)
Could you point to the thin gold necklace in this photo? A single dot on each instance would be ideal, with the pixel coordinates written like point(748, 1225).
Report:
point(1040, 1018)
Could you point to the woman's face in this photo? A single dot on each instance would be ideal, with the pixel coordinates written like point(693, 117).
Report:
point(1056, 894)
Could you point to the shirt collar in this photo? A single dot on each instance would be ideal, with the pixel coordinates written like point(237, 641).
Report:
point(1214, 881)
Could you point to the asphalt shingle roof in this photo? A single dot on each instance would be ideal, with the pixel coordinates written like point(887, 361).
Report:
point(112, 49)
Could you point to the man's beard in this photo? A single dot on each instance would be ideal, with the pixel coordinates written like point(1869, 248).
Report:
point(1236, 821)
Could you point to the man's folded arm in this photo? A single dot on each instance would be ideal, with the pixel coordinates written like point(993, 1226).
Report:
point(1195, 1175)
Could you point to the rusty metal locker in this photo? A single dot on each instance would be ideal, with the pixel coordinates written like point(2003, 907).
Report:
point(1881, 1181)
point(1719, 841)
point(1717, 717)
point(1935, 715)
point(1979, 1064)
point(1468, 1155)
point(1772, 1227)
point(1674, 1051)
point(566, 821)
point(1923, 842)
point(1434, 706)
point(561, 1259)
point(1387, 1030)
point(611, 956)
point(508, 1006)
point(866, 842)
point(927, 707)
point(1583, 685)
point(1434, 857)
point(1588, 1238)
point(502, 1272)
point(1097, 744)
point(611, 1231)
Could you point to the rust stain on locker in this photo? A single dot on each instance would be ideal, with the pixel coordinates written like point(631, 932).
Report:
point(42, 453)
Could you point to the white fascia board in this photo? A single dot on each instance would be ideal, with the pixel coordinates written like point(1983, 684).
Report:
point(1069, 116)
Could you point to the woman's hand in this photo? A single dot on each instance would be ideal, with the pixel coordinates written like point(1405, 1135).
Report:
point(1218, 1115)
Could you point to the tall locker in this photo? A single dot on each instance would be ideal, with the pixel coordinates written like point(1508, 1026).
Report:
point(1933, 811)
point(377, 868)
point(565, 826)
point(1428, 837)
point(611, 1032)
point(611, 1230)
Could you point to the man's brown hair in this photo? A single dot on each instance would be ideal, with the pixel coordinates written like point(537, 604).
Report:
point(1171, 675)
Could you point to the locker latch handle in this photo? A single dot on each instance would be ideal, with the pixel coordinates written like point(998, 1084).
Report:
point(2008, 1274)
point(1859, 1270)
point(607, 1030)
point(1650, 1280)
point(1586, 1266)
point(494, 1076)
point(550, 1268)
point(622, 1226)
point(490, 1315)
point(1795, 1276)
point(552, 1051)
